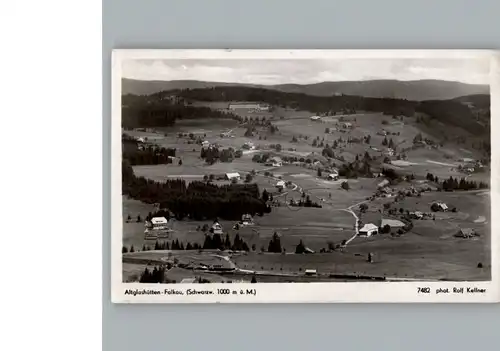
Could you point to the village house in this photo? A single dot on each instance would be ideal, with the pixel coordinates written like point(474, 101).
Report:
point(368, 230)
point(386, 191)
point(156, 228)
point(216, 228)
point(346, 125)
point(205, 144)
point(466, 233)
point(231, 176)
point(439, 206)
point(246, 219)
point(281, 184)
point(417, 215)
point(334, 175)
point(389, 152)
point(248, 146)
point(315, 118)
point(274, 162)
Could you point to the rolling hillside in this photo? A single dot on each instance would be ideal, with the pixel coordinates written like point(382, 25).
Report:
point(411, 90)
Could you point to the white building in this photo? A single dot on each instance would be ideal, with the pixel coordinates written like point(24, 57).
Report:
point(441, 206)
point(333, 176)
point(231, 176)
point(280, 184)
point(216, 228)
point(274, 162)
point(247, 219)
point(249, 106)
point(315, 118)
point(205, 144)
point(346, 125)
point(159, 222)
point(310, 272)
point(368, 230)
point(157, 227)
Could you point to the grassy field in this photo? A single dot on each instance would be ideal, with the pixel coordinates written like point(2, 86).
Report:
point(429, 250)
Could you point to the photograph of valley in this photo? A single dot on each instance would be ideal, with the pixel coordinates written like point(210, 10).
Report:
point(311, 170)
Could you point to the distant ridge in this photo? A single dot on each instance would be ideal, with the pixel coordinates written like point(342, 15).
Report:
point(417, 90)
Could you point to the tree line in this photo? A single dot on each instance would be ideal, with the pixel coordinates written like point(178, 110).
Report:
point(451, 183)
point(216, 242)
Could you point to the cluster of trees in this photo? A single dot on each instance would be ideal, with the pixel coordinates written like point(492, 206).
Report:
point(213, 154)
point(156, 275)
point(215, 242)
point(256, 121)
point(150, 155)
point(147, 155)
point(356, 169)
point(266, 196)
point(462, 184)
point(144, 113)
point(275, 244)
point(455, 184)
point(198, 200)
point(165, 245)
point(390, 173)
point(307, 202)
point(300, 248)
point(389, 143)
point(432, 178)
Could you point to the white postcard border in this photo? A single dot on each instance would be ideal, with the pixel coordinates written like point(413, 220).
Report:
point(331, 292)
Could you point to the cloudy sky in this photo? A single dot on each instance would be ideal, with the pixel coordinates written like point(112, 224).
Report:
point(307, 71)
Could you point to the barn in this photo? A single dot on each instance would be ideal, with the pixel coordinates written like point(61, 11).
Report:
point(368, 230)
point(231, 176)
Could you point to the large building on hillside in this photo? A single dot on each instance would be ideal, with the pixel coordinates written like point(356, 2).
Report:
point(248, 106)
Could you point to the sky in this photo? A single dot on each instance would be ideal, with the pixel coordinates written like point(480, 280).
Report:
point(307, 71)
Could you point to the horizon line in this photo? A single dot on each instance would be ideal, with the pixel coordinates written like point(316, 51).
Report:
point(325, 81)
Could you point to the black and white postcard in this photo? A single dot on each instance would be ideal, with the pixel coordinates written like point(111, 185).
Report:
point(291, 176)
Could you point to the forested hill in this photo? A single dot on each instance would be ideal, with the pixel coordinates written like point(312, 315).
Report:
point(417, 90)
point(454, 112)
point(314, 104)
